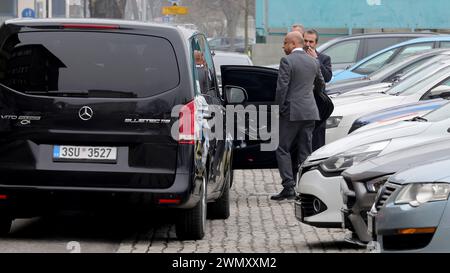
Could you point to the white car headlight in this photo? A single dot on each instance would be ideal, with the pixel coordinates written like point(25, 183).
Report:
point(343, 161)
point(333, 122)
point(418, 194)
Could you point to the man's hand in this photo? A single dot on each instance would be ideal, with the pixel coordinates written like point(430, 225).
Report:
point(312, 53)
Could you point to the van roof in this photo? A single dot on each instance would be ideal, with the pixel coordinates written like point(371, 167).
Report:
point(186, 32)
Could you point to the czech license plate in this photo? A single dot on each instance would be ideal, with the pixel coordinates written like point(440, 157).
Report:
point(84, 153)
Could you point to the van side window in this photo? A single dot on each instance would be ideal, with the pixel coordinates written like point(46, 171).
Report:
point(209, 63)
point(204, 77)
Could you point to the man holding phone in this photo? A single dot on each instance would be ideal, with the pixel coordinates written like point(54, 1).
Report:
point(311, 38)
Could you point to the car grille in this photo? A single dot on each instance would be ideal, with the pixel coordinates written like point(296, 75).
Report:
point(384, 195)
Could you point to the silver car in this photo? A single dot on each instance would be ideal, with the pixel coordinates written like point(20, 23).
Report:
point(363, 181)
point(412, 212)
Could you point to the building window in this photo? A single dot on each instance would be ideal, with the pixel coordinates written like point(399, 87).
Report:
point(8, 8)
point(58, 8)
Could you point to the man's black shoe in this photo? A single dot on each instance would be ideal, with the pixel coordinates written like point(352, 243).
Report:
point(288, 194)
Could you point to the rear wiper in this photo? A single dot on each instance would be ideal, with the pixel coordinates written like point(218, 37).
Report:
point(85, 93)
point(63, 93)
point(421, 119)
point(98, 93)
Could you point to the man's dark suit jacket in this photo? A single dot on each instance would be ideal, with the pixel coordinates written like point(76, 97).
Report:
point(325, 66)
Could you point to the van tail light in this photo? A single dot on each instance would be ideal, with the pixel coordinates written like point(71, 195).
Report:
point(89, 26)
point(187, 124)
point(3, 196)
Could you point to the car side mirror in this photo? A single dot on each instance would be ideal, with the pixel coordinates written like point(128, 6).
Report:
point(235, 94)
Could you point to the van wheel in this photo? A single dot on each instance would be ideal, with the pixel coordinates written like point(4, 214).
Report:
point(192, 223)
point(220, 209)
point(5, 226)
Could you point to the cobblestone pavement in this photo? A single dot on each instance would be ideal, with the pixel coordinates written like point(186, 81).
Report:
point(256, 225)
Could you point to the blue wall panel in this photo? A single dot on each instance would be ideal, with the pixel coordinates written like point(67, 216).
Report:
point(410, 14)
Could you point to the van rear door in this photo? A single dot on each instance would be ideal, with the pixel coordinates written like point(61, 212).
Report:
point(75, 100)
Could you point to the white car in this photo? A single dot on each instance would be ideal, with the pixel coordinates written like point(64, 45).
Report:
point(320, 200)
point(229, 58)
point(374, 88)
point(432, 82)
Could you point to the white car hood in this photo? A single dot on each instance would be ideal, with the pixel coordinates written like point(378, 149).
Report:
point(342, 100)
point(388, 132)
point(364, 104)
point(374, 88)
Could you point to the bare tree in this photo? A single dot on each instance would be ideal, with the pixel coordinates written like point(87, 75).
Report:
point(135, 9)
point(107, 8)
point(233, 10)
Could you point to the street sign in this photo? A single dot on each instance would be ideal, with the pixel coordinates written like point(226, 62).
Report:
point(28, 13)
point(167, 19)
point(175, 10)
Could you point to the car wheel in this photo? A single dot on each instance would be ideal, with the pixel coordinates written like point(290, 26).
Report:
point(5, 226)
point(192, 222)
point(220, 209)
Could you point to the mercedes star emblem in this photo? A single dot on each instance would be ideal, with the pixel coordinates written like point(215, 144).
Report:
point(86, 113)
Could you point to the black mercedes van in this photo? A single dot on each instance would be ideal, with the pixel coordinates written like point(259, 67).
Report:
point(87, 116)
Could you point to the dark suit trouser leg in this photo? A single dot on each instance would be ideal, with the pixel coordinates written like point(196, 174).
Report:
point(319, 135)
point(305, 140)
point(297, 133)
point(288, 134)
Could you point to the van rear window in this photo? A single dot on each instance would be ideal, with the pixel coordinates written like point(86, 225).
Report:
point(99, 63)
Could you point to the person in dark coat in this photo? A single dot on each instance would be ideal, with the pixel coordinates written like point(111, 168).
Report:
point(311, 39)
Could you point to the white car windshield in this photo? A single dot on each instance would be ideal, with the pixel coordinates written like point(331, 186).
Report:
point(416, 82)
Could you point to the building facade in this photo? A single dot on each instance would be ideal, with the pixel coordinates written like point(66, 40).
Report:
point(42, 9)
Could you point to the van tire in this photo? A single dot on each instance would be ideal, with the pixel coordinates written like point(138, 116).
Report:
point(192, 222)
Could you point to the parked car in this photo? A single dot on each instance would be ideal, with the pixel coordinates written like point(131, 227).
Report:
point(86, 117)
point(348, 50)
point(431, 83)
point(412, 212)
point(389, 73)
point(363, 181)
point(229, 58)
point(319, 198)
point(391, 54)
point(224, 44)
point(384, 87)
point(397, 113)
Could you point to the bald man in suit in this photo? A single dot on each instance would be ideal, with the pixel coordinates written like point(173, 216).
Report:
point(299, 74)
